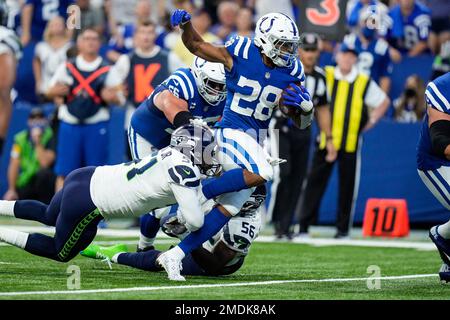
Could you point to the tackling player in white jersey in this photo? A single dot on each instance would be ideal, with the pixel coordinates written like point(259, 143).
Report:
point(223, 254)
point(171, 175)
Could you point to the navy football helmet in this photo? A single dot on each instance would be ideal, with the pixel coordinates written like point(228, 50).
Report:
point(256, 199)
point(198, 144)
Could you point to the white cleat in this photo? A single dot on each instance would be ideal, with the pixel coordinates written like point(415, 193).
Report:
point(172, 265)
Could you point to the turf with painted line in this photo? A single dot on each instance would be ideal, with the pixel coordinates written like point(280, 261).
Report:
point(266, 262)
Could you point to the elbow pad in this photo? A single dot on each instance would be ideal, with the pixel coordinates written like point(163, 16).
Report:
point(440, 136)
point(182, 118)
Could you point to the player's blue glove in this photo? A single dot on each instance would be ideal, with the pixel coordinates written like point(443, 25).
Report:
point(179, 17)
point(298, 97)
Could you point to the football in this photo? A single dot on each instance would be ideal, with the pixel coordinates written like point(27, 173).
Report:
point(288, 111)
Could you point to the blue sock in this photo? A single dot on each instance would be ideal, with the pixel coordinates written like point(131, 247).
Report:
point(214, 221)
point(149, 225)
point(230, 181)
point(140, 260)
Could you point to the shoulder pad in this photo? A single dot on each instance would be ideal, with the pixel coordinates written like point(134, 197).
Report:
point(238, 46)
point(181, 85)
point(297, 70)
point(184, 175)
point(436, 98)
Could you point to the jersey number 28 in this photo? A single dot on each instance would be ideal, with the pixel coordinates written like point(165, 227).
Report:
point(268, 99)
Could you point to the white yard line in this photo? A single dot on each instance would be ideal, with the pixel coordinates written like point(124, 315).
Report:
point(221, 285)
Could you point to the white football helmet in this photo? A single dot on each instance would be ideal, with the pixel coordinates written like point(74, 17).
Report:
point(210, 79)
point(278, 37)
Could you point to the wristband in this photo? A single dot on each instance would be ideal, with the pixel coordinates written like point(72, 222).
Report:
point(182, 118)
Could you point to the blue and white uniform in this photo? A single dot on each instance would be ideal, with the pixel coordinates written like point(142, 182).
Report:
point(373, 59)
point(43, 12)
point(405, 32)
point(254, 90)
point(150, 130)
point(433, 169)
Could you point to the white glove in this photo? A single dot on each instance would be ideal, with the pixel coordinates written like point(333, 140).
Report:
point(198, 122)
point(275, 161)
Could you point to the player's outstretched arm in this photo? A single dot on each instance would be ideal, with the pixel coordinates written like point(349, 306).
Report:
point(195, 43)
point(175, 109)
point(191, 213)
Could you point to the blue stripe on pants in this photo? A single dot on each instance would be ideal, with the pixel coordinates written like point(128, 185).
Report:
point(437, 187)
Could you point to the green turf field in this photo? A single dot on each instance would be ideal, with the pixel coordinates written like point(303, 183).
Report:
point(271, 271)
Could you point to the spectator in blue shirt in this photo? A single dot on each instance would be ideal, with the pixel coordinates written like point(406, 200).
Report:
point(409, 27)
point(373, 52)
point(356, 7)
point(37, 13)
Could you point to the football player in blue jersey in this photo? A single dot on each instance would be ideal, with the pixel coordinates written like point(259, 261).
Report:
point(408, 27)
point(433, 160)
point(257, 71)
point(373, 58)
point(189, 93)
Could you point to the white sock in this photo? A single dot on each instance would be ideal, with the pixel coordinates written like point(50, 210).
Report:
point(444, 230)
point(115, 257)
point(7, 208)
point(145, 242)
point(16, 238)
point(176, 251)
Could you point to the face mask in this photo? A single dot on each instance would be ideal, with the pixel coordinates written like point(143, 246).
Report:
point(368, 33)
point(410, 93)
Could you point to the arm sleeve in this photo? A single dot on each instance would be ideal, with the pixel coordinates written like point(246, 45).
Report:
point(374, 95)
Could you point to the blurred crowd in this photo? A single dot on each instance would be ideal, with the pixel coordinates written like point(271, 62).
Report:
point(109, 37)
